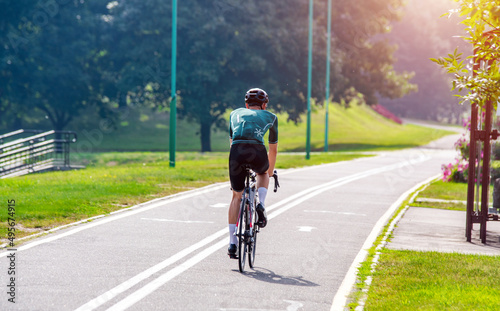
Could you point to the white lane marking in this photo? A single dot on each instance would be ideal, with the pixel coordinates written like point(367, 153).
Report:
point(128, 212)
point(306, 229)
point(293, 306)
point(220, 205)
point(336, 183)
point(94, 303)
point(340, 298)
point(296, 199)
point(169, 275)
point(332, 212)
point(54, 229)
point(180, 221)
point(144, 207)
point(91, 305)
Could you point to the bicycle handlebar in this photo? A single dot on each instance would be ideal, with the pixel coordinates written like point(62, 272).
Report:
point(276, 182)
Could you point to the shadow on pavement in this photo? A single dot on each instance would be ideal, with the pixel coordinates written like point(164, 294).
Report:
point(269, 276)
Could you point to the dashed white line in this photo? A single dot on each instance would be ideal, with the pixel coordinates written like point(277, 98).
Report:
point(179, 221)
point(306, 229)
point(333, 212)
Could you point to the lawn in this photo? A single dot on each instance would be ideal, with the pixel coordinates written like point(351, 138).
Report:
point(411, 280)
point(408, 280)
point(449, 191)
point(357, 128)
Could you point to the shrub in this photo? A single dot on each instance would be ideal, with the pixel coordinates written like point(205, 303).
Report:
point(458, 171)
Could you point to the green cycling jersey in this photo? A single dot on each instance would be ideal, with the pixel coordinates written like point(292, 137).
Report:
point(250, 125)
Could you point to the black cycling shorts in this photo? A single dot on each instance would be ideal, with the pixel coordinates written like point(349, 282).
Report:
point(253, 155)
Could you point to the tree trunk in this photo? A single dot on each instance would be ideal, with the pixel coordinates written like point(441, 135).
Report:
point(205, 132)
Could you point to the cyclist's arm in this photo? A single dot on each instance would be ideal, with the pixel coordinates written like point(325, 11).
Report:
point(273, 152)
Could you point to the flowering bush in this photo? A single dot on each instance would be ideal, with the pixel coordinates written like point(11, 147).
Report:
point(462, 145)
point(458, 170)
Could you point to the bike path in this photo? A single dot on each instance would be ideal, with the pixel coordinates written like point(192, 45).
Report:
point(170, 254)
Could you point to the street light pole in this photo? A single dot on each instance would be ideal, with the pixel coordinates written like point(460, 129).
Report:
point(309, 80)
point(327, 92)
point(173, 102)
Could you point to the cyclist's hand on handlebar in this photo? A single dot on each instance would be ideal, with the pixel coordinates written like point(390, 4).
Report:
point(276, 182)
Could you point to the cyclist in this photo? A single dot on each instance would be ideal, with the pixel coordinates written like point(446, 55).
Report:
point(247, 127)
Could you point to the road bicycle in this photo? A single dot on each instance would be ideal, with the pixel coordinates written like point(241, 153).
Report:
point(246, 226)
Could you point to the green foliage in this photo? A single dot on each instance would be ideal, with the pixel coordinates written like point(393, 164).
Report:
point(107, 55)
point(479, 73)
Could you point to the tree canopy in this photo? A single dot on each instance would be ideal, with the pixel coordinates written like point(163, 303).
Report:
point(479, 73)
point(65, 55)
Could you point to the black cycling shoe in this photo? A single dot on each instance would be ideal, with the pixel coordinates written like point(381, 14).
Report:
point(261, 212)
point(232, 250)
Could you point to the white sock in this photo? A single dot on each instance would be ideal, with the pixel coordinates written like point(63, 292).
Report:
point(233, 239)
point(262, 195)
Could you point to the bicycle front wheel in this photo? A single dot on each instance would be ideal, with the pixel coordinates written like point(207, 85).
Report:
point(252, 246)
point(242, 236)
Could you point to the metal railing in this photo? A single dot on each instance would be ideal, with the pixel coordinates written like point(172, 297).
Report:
point(43, 151)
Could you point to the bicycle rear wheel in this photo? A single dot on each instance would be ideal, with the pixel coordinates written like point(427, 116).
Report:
point(242, 235)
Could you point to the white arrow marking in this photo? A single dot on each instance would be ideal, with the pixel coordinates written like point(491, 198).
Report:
point(294, 305)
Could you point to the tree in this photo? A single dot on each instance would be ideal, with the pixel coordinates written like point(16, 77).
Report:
point(226, 47)
point(12, 62)
point(52, 60)
point(366, 57)
point(106, 54)
point(483, 32)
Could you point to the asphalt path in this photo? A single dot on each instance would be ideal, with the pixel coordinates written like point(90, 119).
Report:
point(170, 253)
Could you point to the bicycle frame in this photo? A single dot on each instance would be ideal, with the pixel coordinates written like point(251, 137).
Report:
point(246, 216)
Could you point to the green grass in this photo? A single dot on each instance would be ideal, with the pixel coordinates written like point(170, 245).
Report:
point(408, 280)
point(445, 191)
point(117, 180)
point(357, 128)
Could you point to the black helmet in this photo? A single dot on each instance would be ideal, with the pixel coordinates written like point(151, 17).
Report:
point(256, 96)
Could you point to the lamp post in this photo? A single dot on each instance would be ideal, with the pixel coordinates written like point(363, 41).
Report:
point(173, 102)
point(327, 91)
point(309, 78)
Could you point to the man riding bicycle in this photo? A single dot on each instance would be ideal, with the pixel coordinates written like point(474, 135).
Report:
point(247, 127)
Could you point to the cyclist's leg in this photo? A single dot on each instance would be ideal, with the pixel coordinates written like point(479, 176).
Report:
point(237, 178)
point(260, 167)
point(234, 209)
point(262, 186)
